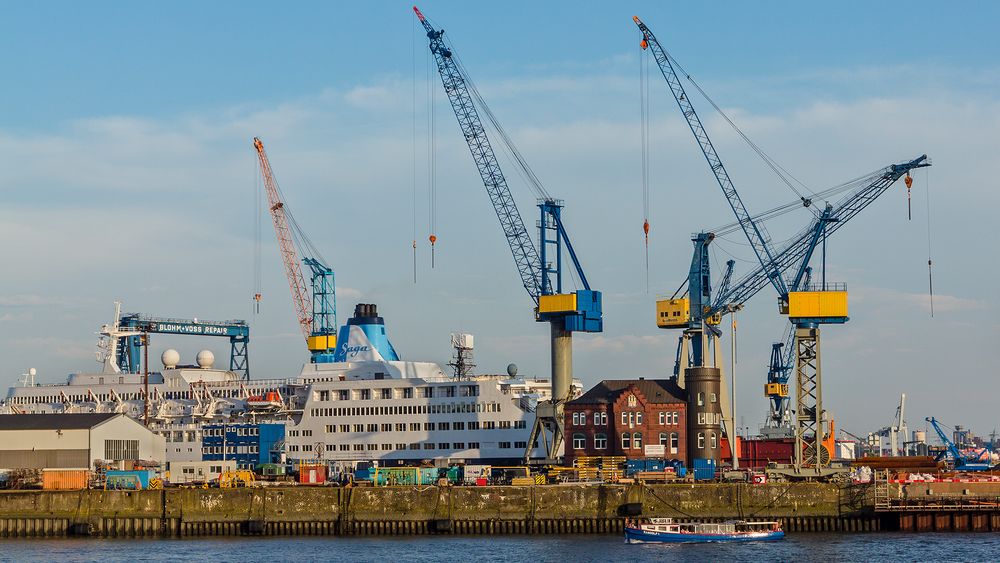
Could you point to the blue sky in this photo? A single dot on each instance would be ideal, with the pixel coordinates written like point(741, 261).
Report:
point(128, 174)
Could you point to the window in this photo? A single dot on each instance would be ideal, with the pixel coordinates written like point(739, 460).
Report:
point(520, 424)
point(663, 417)
point(429, 426)
point(428, 445)
point(473, 445)
point(504, 445)
point(597, 419)
point(638, 418)
point(443, 446)
point(715, 441)
point(576, 419)
point(504, 424)
point(366, 394)
point(631, 418)
point(626, 440)
point(116, 450)
point(600, 441)
point(458, 425)
point(474, 425)
point(701, 440)
point(701, 399)
point(345, 427)
point(408, 392)
point(344, 395)
point(713, 397)
point(426, 392)
point(330, 428)
point(674, 442)
point(579, 441)
point(387, 428)
point(415, 446)
point(359, 447)
point(489, 425)
point(520, 445)
point(624, 418)
point(386, 393)
point(372, 447)
point(637, 441)
point(676, 417)
point(400, 447)
point(663, 438)
point(414, 426)
point(701, 418)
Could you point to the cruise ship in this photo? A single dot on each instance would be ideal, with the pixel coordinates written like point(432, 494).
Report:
point(368, 405)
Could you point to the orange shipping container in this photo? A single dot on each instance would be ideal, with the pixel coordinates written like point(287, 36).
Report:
point(65, 479)
point(312, 474)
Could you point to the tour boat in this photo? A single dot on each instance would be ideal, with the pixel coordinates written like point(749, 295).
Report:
point(665, 530)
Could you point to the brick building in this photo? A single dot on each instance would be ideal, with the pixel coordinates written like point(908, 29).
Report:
point(635, 418)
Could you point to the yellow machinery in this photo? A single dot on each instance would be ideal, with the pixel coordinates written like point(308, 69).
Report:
point(557, 303)
point(676, 313)
point(817, 304)
point(238, 478)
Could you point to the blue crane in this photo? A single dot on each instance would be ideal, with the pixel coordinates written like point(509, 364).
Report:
point(541, 268)
point(807, 307)
point(962, 462)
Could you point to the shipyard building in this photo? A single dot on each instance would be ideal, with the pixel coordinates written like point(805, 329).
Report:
point(635, 418)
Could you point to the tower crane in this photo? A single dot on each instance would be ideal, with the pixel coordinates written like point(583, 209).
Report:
point(316, 304)
point(806, 306)
point(540, 268)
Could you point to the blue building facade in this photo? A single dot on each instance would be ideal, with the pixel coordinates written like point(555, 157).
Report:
point(248, 444)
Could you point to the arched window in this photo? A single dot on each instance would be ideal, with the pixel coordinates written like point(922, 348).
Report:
point(663, 438)
point(600, 441)
point(701, 440)
point(626, 440)
point(637, 441)
point(674, 442)
point(715, 440)
point(579, 441)
point(701, 399)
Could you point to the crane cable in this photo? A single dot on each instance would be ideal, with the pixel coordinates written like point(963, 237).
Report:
point(258, 238)
point(431, 158)
point(930, 273)
point(413, 83)
point(778, 170)
point(644, 141)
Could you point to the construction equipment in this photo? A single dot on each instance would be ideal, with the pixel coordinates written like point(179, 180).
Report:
point(893, 432)
point(315, 305)
point(237, 479)
point(540, 268)
point(807, 306)
point(961, 461)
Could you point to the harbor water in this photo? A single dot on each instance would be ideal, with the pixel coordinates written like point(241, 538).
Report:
point(797, 547)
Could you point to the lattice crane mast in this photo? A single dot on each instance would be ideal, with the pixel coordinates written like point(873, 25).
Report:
point(806, 309)
point(540, 268)
point(315, 305)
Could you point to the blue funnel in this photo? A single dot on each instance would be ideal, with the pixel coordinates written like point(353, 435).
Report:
point(363, 338)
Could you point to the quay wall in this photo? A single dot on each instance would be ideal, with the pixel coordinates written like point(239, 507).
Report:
point(303, 510)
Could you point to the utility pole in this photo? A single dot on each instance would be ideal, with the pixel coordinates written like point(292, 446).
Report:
point(145, 376)
point(732, 382)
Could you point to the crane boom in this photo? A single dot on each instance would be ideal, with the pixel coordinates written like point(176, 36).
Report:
point(805, 242)
point(286, 245)
point(521, 246)
point(754, 233)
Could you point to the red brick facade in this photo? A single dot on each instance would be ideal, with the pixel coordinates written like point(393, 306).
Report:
point(622, 418)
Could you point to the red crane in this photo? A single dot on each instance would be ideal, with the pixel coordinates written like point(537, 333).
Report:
point(301, 298)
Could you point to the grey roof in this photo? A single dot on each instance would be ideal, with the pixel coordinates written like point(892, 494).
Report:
point(63, 421)
point(655, 390)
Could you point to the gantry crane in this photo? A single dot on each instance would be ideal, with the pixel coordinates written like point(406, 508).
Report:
point(806, 306)
point(541, 269)
point(315, 305)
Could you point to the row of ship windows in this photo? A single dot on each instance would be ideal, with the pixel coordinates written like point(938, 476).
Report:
point(630, 441)
point(397, 393)
point(139, 396)
point(402, 447)
point(238, 430)
point(449, 408)
point(415, 427)
point(628, 418)
point(252, 449)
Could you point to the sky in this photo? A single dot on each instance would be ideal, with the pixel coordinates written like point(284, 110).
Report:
point(128, 174)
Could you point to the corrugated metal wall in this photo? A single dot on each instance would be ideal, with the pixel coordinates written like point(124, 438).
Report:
point(41, 459)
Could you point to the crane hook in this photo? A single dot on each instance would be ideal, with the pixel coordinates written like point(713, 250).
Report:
point(909, 201)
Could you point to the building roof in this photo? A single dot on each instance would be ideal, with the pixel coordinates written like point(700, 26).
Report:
point(655, 391)
point(61, 421)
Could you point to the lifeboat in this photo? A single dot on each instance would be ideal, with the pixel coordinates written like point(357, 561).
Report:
point(268, 402)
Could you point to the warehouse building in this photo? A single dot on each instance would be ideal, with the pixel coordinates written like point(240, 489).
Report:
point(635, 418)
point(51, 441)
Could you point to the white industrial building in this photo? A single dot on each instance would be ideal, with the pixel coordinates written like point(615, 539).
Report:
point(77, 441)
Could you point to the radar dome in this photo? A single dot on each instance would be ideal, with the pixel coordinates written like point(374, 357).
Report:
point(32, 372)
point(206, 359)
point(512, 370)
point(170, 358)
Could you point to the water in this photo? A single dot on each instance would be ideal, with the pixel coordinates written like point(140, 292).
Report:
point(817, 548)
